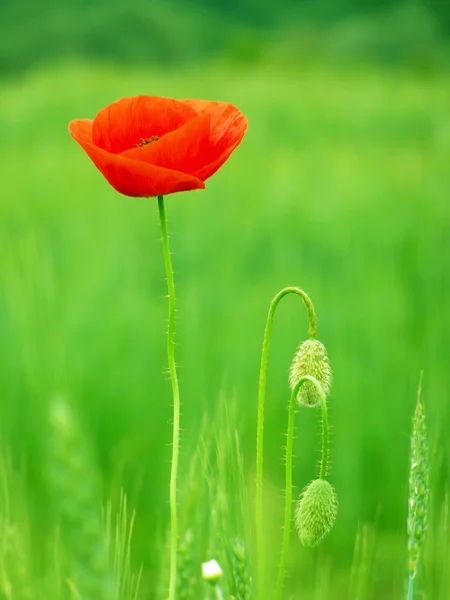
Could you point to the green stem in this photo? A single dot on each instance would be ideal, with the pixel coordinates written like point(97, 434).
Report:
point(312, 332)
point(411, 587)
point(289, 456)
point(218, 592)
point(176, 400)
point(324, 411)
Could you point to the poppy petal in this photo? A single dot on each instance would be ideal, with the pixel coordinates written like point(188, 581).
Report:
point(208, 170)
point(227, 128)
point(81, 130)
point(202, 145)
point(183, 150)
point(120, 125)
point(132, 177)
point(227, 121)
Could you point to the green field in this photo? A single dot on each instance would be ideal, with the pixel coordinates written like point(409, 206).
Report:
point(341, 186)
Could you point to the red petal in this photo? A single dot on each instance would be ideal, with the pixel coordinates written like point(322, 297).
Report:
point(208, 170)
point(202, 145)
point(122, 124)
point(81, 130)
point(228, 124)
point(228, 127)
point(131, 177)
point(183, 149)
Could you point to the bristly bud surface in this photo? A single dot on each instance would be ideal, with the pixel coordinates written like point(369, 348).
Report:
point(311, 358)
point(316, 512)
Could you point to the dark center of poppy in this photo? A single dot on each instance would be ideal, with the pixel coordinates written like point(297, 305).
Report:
point(146, 141)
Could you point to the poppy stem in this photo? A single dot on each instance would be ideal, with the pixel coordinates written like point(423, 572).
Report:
point(176, 400)
point(312, 332)
point(289, 455)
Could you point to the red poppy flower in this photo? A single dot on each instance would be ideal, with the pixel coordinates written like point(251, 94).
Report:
point(152, 146)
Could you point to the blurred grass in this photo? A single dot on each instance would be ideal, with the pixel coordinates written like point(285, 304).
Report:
point(341, 187)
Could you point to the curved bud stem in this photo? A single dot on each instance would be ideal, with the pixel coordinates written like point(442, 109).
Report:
point(312, 332)
point(289, 455)
point(324, 411)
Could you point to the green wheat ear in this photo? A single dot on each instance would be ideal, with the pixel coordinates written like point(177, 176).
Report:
point(316, 512)
point(240, 572)
point(311, 359)
point(418, 491)
point(74, 483)
point(186, 579)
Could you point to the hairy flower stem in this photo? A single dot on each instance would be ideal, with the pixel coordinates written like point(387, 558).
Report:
point(289, 455)
point(176, 400)
point(410, 588)
point(312, 332)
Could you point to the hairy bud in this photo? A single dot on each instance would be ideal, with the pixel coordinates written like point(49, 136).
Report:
point(311, 358)
point(316, 512)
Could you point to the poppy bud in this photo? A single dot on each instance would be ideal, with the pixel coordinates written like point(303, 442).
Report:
point(311, 358)
point(316, 512)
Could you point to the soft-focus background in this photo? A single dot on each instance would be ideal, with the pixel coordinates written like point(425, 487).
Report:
point(341, 186)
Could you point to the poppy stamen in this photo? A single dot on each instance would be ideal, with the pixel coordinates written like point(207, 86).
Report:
point(146, 141)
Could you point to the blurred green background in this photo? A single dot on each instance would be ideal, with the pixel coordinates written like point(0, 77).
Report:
point(341, 187)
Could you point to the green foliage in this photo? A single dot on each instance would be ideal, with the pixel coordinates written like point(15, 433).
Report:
point(213, 514)
point(178, 32)
point(70, 563)
point(186, 567)
point(15, 568)
point(118, 535)
point(363, 570)
point(75, 485)
point(340, 186)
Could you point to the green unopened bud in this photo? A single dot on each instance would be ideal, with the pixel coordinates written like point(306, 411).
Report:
point(316, 512)
point(311, 358)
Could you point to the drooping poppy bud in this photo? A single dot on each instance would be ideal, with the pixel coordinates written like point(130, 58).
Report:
point(316, 512)
point(311, 358)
